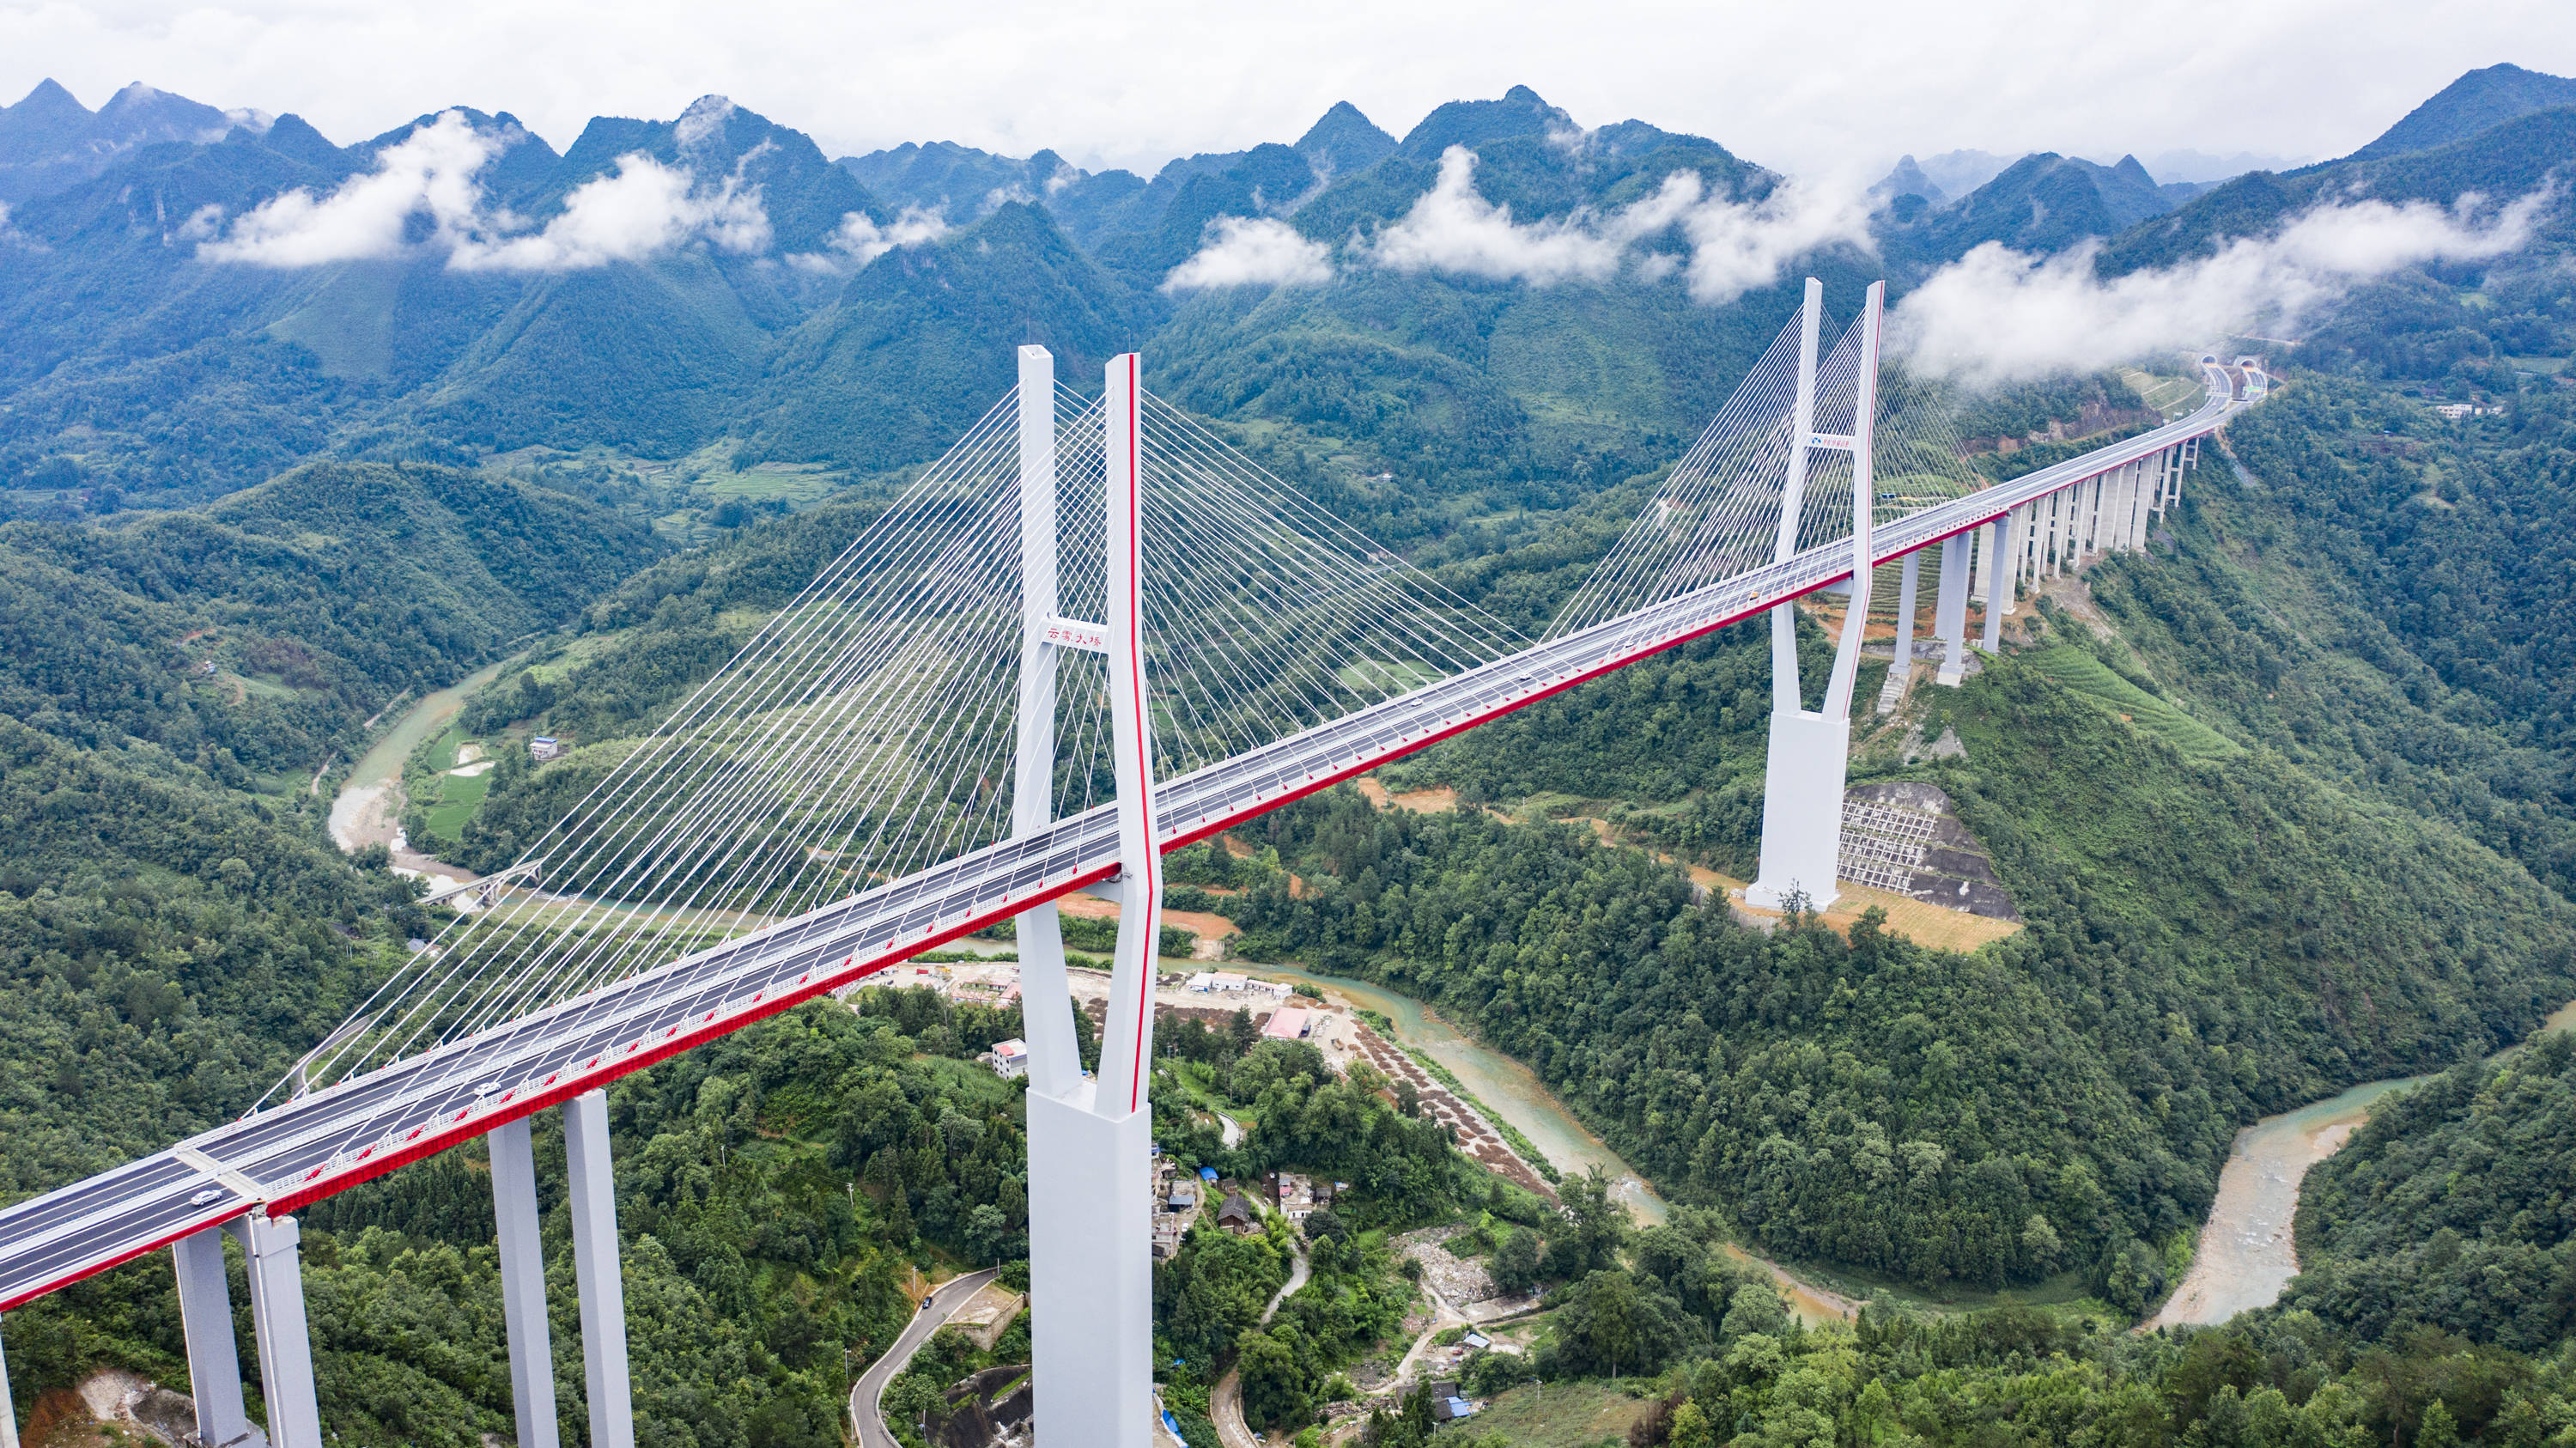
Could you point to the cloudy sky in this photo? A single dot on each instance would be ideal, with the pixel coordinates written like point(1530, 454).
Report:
point(1802, 87)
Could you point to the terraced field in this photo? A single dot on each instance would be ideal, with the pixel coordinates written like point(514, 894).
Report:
point(2084, 674)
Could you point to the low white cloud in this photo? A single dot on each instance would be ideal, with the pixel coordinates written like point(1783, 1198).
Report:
point(1732, 247)
point(859, 240)
point(429, 173)
point(1996, 315)
point(1736, 248)
point(1252, 251)
point(641, 210)
point(424, 198)
point(1453, 228)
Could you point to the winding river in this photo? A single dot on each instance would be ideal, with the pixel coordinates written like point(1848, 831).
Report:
point(1508, 1089)
point(2245, 1256)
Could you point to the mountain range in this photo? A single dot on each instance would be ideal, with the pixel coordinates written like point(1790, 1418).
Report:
point(50, 141)
point(197, 300)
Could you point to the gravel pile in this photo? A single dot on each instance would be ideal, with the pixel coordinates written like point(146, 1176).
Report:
point(1459, 1280)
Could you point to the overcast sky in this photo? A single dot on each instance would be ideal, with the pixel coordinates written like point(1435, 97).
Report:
point(1802, 87)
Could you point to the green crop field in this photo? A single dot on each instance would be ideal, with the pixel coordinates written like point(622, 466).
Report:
point(458, 797)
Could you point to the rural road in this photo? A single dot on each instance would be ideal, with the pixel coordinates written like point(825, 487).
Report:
point(1225, 1403)
point(1442, 1316)
point(864, 1395)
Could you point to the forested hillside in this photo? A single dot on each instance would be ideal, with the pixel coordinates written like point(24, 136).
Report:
point(269, 624)
point(169, 946)
point(2206, 945)
point(2381, 607)
point(2452, 1209)
point(172, 687)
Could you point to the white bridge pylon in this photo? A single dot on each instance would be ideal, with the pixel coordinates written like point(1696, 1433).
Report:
point(1091, 1280)
point(1802, 800)
point(1088, 635)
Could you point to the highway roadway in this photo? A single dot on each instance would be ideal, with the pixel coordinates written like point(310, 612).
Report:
point(334, 1138)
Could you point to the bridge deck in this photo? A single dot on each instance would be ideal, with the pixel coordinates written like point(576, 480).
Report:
point(301, 1151)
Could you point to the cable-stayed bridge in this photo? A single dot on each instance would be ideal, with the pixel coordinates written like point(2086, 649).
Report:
point(1090, 634)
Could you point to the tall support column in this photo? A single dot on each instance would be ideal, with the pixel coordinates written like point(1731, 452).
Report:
point(1786, 696)
point(2026, 553)
point(1999, 586)
point(214, 1356)
point(523, 1283)
point(1950, 611)
point(1864, 570)
point(8, 1407)
point(277, 1319)
point(2016, 523)
point(1900, 672)
point(1802, 801)
point(2151, 476)
point(593, 1190)
point(1046, 1002)
point(1128, 1041)
point(1908, 583)
point(1091, 1283)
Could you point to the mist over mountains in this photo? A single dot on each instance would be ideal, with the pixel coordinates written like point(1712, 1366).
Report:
point(198, 299)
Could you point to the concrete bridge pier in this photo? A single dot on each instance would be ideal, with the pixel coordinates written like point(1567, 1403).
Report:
point(8, 1407)
point(1900, 672)
point(1999, 579)
point(272, 1264)
point(214, 1358)
point(276, 1271)
point(596, 1276)
point(517, 1216)
point(523, 1283)
point(1950, 611)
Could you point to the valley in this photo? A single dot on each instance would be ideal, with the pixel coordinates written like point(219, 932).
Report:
point(2231, 1114)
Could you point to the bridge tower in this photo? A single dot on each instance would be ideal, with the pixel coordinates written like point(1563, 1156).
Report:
point(1802, 803)
point(1091, 1283)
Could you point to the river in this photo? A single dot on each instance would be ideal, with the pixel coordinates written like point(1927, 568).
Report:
point(368, 809)
point(2246, 1255)
point(1508, 1089)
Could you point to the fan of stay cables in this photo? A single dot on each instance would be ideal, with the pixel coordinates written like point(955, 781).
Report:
point(866, 730)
